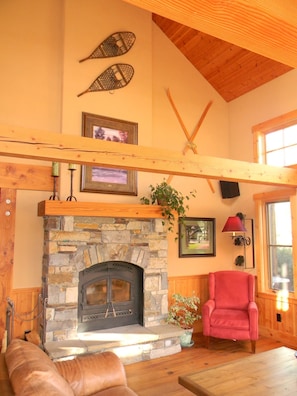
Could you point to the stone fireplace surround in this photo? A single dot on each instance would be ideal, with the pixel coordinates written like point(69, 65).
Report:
point(73, 243)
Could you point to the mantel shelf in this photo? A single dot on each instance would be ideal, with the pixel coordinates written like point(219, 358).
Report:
point(97, 209)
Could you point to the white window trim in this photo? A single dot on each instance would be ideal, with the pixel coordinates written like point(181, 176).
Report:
point(261, 253)
point(260, 130)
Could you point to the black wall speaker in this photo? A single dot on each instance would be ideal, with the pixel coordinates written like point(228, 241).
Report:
point(229, 189)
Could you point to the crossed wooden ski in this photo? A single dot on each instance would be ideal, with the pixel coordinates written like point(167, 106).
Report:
point(190, 138)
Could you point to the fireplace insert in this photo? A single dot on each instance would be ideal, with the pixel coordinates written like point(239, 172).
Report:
point(110, 295)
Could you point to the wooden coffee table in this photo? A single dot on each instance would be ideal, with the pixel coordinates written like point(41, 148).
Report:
point(268, 373)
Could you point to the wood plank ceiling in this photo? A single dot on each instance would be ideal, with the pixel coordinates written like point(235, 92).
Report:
point(202, 30)
point(231, 70)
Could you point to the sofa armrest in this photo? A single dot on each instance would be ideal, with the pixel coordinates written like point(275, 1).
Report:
point(31, 371)
point(5, 386)
point(89, 374)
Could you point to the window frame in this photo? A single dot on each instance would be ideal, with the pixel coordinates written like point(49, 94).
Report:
point(272, 125)
point(261, 235)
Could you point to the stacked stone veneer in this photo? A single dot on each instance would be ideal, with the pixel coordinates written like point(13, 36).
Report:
point(73, 243)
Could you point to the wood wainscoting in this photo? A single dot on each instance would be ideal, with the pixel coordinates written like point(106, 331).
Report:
point(187, 285)
point(26, 300)
point(271, 304)
point(27, 311)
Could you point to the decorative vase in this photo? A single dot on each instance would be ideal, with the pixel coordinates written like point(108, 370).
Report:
point(186, 339)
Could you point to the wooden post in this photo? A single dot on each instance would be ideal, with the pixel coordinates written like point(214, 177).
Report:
point(7, 233)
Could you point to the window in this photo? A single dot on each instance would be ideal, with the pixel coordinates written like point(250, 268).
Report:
point(281, 147)
point(274, 242)
point(275, 141)
point(279, 245)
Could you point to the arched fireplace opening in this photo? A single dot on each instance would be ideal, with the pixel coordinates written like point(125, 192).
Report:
point(110, 294)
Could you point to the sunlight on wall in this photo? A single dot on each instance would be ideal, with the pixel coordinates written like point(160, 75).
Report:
point(282, 300)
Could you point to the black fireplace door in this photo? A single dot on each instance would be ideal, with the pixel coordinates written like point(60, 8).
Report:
point(110, 295)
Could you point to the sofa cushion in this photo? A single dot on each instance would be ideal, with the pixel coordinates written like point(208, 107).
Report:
point(31, 371)
point(230, 319)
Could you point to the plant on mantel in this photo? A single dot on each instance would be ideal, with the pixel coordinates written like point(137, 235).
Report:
point(172, 202)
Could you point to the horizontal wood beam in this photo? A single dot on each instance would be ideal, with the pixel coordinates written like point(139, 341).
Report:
point(25, 177)
point(98, 209)
point(268, 28)
point(42, 145)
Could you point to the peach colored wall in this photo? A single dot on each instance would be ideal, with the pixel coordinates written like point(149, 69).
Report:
point(269, 101)
point(31, 36)
point(41, 44)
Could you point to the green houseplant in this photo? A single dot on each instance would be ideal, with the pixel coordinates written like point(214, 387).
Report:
point(184, 312)
point(172, 202)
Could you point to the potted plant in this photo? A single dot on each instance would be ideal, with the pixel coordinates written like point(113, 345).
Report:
point(172, 202)
point(184, 312)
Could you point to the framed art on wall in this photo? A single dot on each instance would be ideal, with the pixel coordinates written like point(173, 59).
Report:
point(108, 180)
point(197, 237)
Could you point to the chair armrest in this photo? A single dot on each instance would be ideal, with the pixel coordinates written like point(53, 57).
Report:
point(92, 373)
point(208, 307)
point(253, 315)
point(207, 310)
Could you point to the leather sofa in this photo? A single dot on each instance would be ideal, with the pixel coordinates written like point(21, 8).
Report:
point(25, 370)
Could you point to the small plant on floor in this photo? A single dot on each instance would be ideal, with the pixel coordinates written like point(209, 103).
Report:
point(184, 311)
point(172, 202)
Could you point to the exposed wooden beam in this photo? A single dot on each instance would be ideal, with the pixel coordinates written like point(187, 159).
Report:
point(36, 144)
point(268, 28)
point(25, 177)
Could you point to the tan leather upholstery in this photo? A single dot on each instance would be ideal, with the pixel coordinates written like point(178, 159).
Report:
point(82, 373)
point(31, 372)
point(5, 385)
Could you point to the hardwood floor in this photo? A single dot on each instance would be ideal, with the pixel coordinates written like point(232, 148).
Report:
point(159, 377)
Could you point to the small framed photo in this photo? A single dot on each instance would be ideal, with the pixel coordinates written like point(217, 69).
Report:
point(197, 237)
point(108, 180)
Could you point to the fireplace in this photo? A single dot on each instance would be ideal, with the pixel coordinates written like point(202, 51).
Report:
point(123, 259)
point(110, 294)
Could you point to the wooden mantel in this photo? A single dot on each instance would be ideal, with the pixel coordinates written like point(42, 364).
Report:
point(97, 209)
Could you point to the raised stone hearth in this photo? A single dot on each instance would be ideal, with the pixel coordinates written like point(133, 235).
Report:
point(72, 244)
point(131, 343)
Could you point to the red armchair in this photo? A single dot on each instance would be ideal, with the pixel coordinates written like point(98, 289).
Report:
point(231, 311)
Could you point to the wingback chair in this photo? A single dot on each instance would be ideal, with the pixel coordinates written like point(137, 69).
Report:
point(231, 311)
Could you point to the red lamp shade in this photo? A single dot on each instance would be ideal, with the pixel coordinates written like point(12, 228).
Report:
point(234, 224)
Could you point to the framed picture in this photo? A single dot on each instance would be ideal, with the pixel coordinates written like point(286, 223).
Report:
point(108, 180)
point(197, 237)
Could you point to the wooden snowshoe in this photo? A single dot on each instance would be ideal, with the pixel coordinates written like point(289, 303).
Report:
point(115, 77)
point(114, 45)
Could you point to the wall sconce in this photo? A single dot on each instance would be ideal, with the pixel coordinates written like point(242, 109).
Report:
point(235, 224)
